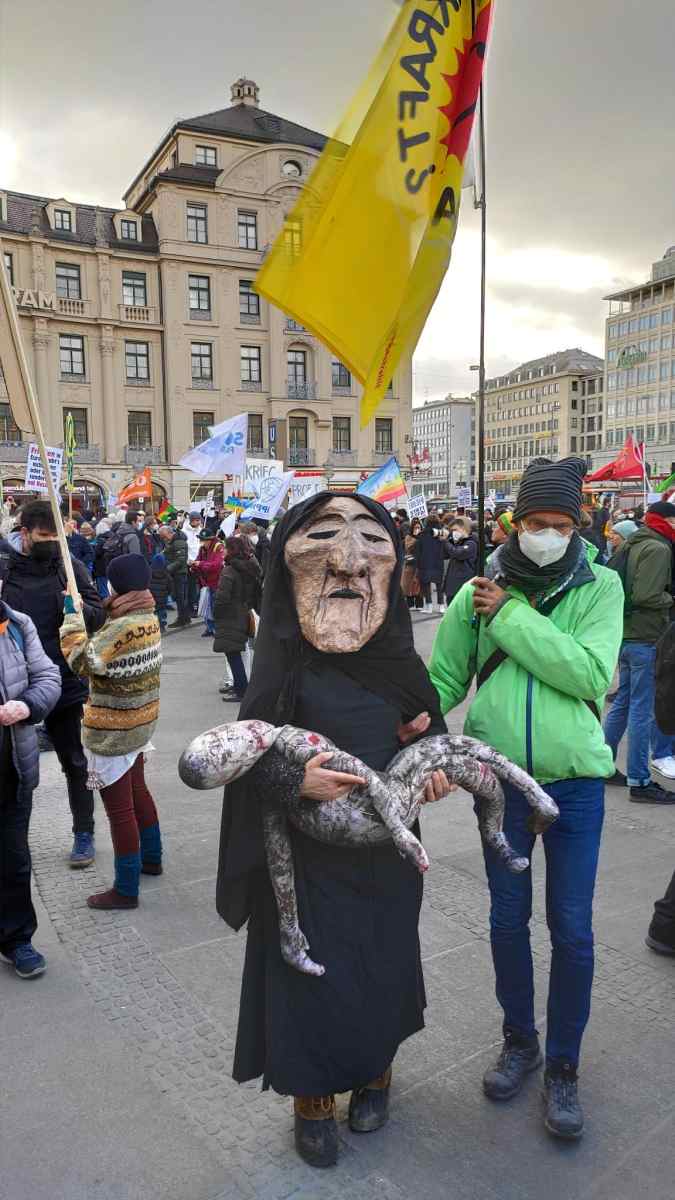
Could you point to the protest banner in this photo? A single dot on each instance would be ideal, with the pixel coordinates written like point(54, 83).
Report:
point(272, 495)
point(417, 508)
point(35, 476)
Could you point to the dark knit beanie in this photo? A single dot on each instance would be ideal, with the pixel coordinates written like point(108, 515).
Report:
point(129, 573)
point(551, 487)
point(662, 508)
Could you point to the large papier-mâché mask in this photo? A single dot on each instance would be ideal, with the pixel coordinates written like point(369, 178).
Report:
point(341, 562)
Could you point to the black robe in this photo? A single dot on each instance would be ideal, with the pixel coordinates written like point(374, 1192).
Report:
point(359, 907)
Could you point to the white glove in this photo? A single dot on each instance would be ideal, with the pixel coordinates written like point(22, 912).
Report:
point(13, 711)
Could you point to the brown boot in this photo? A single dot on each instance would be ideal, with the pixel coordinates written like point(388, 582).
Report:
point(112, 899)
point(369, 1105)
point(316, 1135)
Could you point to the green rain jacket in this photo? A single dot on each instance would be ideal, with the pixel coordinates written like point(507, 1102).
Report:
point(533, 707)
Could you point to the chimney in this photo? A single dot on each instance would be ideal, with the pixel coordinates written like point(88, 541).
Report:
point(245, 91)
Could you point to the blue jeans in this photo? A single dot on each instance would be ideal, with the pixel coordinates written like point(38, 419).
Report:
point(236, 665)
point(633, 709)
point(571, 847)
point(102, 587)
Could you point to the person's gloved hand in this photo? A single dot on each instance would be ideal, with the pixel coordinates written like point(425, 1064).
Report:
point(13, 711)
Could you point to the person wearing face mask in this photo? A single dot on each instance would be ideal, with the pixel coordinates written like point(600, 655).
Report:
point(430, 562)
point(461, 550)
point(542, 633)
point(34, 582)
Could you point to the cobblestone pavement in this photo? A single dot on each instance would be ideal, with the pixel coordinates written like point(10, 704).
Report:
point(153, 996)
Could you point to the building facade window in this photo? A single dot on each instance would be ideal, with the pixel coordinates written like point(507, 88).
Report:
point(202, 362)
point(384, 435)
point(134, 289)
point(140, 430)
point(297, 368)
point(80, 424)
point(63, 219)
point(197, 223)
point(9, 267)
point(293, 236)
point(199, 290)
point(137, 360)
point(255, 432)
point(200, 427)
point(342, 434)
point(250, 364)
point(341, 376)
point(129, 230)
point(205, 156)
point(298, 433)
point(249, 302)
point(9, 431)
point(247, 227)
point(68, 281)
point(71, 356)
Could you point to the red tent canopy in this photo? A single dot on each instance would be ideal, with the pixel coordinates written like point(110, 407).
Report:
point(629, 464)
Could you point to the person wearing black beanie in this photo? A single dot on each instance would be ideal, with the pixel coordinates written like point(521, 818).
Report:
point(542, 634)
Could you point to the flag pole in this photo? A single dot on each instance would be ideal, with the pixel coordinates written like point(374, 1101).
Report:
point(7, 300)
point(481, 367)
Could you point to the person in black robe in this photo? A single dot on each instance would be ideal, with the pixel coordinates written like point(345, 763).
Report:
point(359, 907)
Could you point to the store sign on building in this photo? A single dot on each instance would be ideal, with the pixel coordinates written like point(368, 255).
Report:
point(629, 357)
point(27, 298)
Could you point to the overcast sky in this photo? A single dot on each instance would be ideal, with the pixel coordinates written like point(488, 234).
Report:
point(581, 155)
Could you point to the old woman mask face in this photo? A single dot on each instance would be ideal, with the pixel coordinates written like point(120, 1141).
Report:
point(341, 562)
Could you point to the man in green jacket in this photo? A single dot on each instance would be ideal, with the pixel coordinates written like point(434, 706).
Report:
point(646, 563)
point(542, 636)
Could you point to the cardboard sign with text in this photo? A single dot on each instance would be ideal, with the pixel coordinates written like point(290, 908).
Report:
point(35, 476)
point(417, 508)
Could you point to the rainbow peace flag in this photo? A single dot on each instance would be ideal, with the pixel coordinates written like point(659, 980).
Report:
point(385, 484)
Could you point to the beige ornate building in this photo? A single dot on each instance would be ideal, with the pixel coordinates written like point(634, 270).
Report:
point(144, 324)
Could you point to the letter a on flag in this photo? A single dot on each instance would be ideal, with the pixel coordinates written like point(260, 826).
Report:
point(362, 255)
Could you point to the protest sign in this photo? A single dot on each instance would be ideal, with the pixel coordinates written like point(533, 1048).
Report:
point(304, 486)
point(35, 477)
point(417, 508)
point(272, 495)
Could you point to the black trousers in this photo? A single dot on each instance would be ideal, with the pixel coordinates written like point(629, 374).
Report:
point(662, 927)
point(17, 915)
point(64, 726)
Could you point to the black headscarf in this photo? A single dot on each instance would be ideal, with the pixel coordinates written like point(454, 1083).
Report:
point(388, 665)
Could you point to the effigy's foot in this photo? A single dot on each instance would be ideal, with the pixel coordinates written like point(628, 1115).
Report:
point(294, 947)
point(410, 847)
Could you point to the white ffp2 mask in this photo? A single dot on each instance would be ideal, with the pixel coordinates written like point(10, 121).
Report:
point(543, 548)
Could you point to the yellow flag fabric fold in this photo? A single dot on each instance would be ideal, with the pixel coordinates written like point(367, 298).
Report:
point(10, 361)
point(362, 255)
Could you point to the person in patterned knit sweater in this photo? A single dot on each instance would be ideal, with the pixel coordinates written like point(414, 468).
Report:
point(122, 662)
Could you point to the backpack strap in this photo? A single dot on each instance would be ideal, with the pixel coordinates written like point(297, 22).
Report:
point(16, 633)
point(499, 656)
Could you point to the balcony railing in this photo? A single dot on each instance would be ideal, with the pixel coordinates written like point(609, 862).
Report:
point(342, 458)
point(142, 456)
point(341, 389)
point(205, 385)
point(381, 456)
point(251, 385)
point(301, 457)
point(200, 314)
point(11, 451)
point(86, 454)
point(141, 314)
point(73, 308)
point(293, 327)
point(259, 452)
point(301, 391)
point(249, 318)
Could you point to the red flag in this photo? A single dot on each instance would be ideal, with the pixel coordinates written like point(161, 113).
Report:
point(140, 488)
point(628, 464)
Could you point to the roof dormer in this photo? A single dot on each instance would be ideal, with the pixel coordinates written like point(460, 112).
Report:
point(62, 216)
point(127, 226)
point(3, 206)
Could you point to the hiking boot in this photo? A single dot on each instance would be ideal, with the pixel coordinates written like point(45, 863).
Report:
point(564, 1117)
point(152, 868)
point(519, 1057)
point(26, 960)
point(316, 1135)
point(652, 793)
point(369, 1105)
point(83, 852)
point(112, 899)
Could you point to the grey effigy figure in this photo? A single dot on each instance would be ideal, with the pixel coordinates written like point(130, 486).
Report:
point(385, 808)
point(334, 655)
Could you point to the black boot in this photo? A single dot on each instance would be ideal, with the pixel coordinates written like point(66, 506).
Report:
point(316, 1135)
point(518, 1058)
point(563, 1117)
point(369, 1105)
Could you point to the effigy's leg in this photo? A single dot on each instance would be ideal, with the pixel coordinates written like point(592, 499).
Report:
point(386, 799)
point(544, 809)
point(279, 853)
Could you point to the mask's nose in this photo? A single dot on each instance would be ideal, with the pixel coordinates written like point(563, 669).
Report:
point(347, 557)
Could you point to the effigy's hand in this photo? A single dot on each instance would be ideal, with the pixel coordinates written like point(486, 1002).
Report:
point(438, 787)
point(408, 733)
point(320, 784)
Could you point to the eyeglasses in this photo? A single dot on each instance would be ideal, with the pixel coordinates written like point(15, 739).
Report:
point(535, 525)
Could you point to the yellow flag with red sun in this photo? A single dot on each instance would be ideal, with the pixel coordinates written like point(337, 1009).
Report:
point(361, 257)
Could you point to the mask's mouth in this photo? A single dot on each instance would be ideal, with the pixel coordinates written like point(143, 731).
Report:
point(345, 593)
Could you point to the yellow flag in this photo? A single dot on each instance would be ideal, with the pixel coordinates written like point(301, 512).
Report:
point(12, 357)
point(363, 253)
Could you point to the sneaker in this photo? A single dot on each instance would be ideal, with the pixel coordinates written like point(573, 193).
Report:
point(26, 960)
point(208, 633)
point(652, 793)
point(665, 766)
point(518, 1058)
point(83, 852)
point(564, 1116)
point(618, 780)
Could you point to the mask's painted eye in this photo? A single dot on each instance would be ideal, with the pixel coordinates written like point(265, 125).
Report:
point(372, 537)
point(322, 534)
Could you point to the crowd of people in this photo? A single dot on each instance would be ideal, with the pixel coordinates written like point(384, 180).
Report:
point(564, 597)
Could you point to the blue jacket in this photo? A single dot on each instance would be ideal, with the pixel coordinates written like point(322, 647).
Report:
point(26, 673)
point(80, 548)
